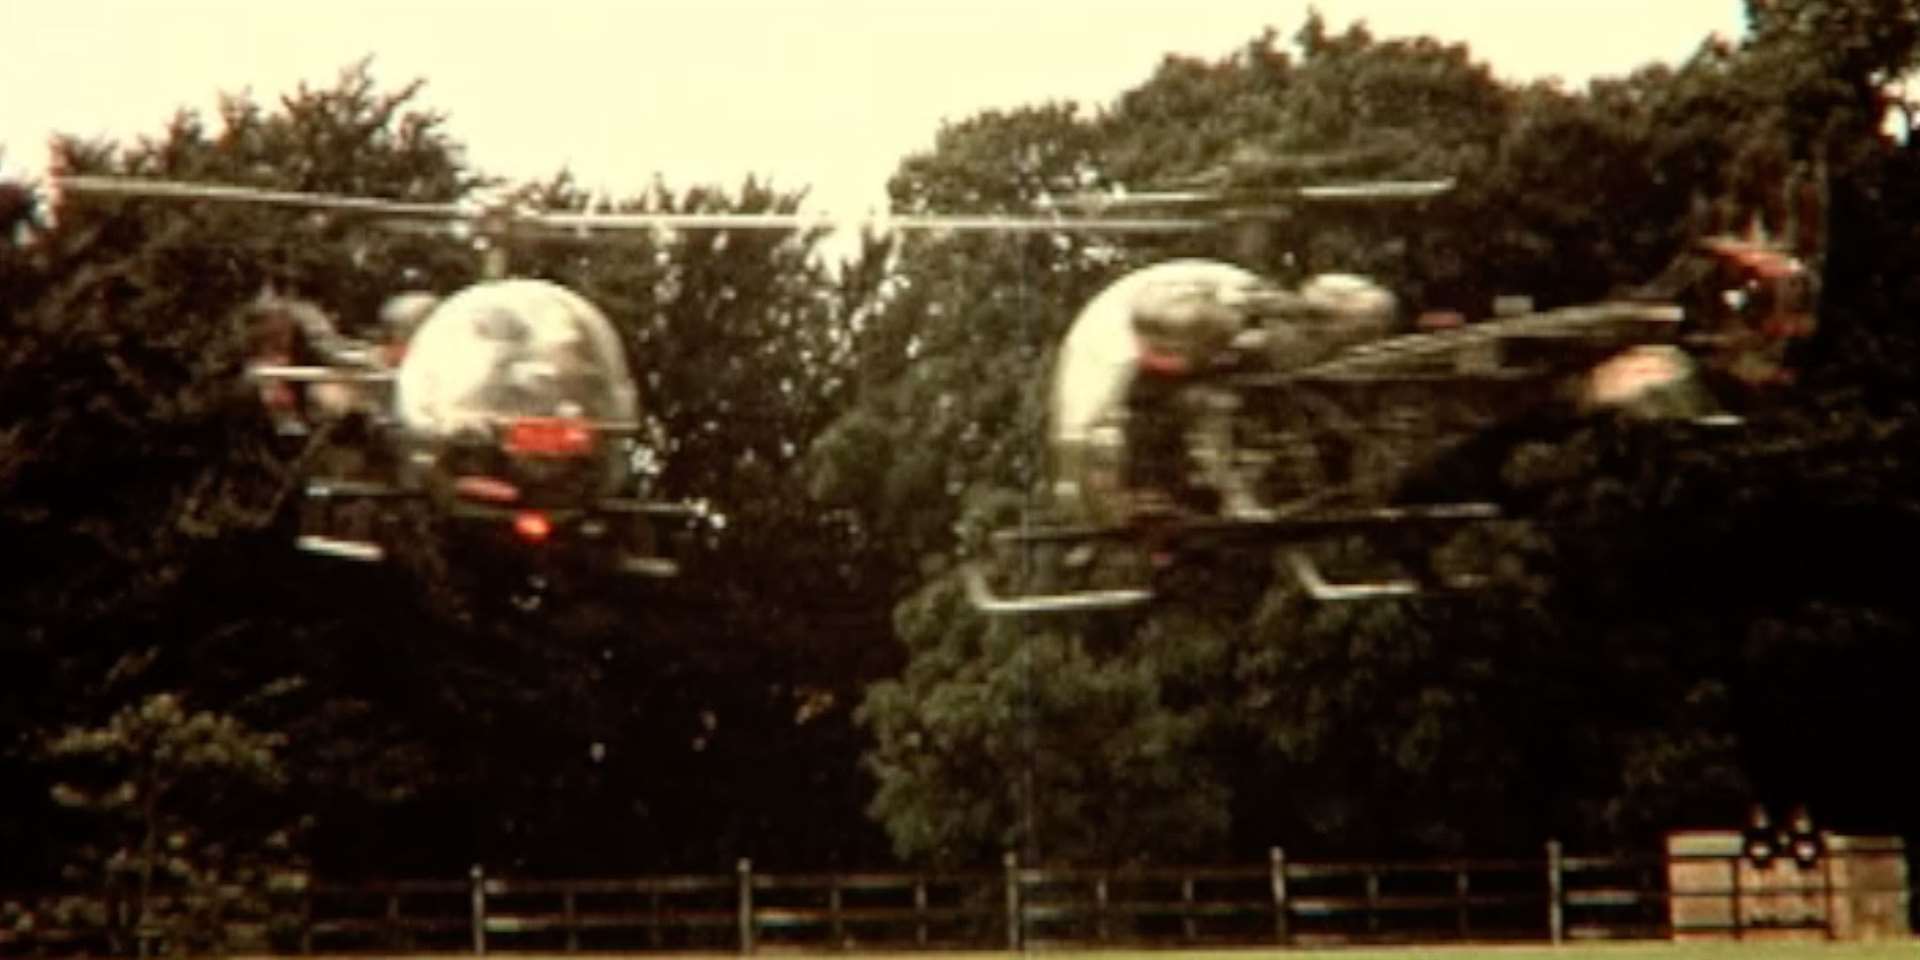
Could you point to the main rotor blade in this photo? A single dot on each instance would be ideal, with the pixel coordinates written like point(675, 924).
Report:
point(180, 190)
point(584, 222)
point(882, 222)
point(1277, 198)
point(1089, 222)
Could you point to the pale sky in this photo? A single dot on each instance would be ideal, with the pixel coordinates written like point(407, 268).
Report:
point(829, 94)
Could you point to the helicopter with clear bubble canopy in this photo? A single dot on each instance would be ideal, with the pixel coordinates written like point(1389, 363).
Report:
point(1195, 404)
point(509, 407)
point(513, 405)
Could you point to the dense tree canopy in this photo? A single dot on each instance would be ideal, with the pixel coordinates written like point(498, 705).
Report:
point(1690, 621)
point(426, 726)
point(1652, 664)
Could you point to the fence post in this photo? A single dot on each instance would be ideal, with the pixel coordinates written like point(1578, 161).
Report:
point(1462, 896)
point(306, 916)
point(477, 878)
point(1277, 868)
point(1739, 899)
point(1826, 885)
point(1011, 861)
point(920, 909)
point(833, 909)
point(1556, 911)
point(655, 934)
point(120, 922)
point(745, 869)
point(1187, 928)
point(571, 907)
point(1373, 900)
point(1102, 932)
point(138, 912)
point(394, 935)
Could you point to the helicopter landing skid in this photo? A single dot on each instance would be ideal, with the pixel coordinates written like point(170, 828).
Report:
point(981, 595)
point(1163, 540)
point(321, 531)
point(1295, 528)
point(1308, 575)
point(658, 509)
point(341, 548)
point(659, 568)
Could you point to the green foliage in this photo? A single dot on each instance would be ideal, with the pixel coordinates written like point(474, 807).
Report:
point(999, 738)
point(1692, 620)
point(145, 498)
point(1633, 671)
point(130, 451)
point(184, 831)
point(955, 347)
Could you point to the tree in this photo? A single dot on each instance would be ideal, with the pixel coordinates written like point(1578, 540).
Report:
point(185, 827)
point(1000, 738)
point(142, 488)
point(977, 357)
point(153, 497)
point(1637, 671)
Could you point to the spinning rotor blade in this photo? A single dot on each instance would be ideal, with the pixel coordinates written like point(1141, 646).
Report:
point(581, 223)
point(179, 190)
point(1088, 211)
point(1273, 202)
point(882, 222)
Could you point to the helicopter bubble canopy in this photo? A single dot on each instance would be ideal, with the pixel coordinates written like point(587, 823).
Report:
point(507, 350)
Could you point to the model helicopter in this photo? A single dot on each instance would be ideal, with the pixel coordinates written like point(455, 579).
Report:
point(1191, 400)
point(509, 408)
point(1164, 337)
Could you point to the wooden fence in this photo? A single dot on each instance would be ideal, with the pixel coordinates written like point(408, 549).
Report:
point(1552, 898)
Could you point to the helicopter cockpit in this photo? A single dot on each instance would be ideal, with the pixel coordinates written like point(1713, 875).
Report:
point(518, 393)
point(1135, 394)
point(508, 351)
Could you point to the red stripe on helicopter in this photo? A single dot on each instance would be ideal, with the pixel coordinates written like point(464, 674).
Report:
point(548, 437)
point(1166, 363)
point(489, 489)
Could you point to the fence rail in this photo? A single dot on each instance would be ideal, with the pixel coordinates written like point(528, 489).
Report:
point(1552, 898)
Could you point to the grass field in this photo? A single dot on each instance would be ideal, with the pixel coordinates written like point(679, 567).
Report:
point(1904, 949)
point(1908, 949)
